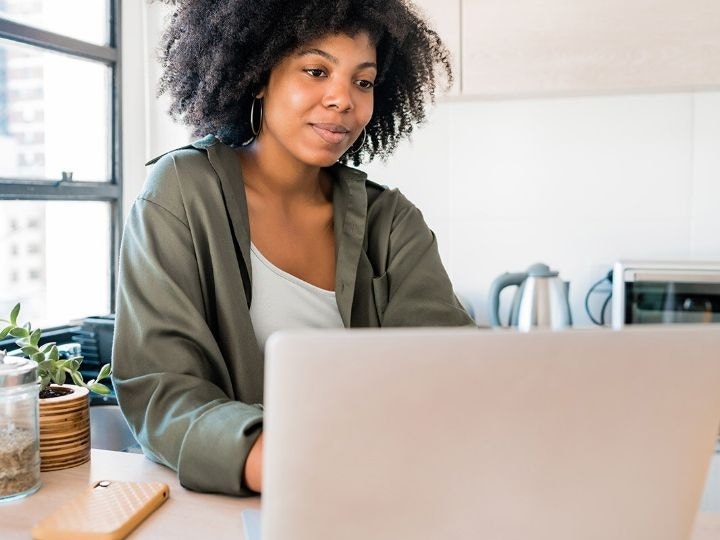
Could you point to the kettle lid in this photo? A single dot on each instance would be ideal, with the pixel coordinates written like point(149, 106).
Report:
point(541, 270)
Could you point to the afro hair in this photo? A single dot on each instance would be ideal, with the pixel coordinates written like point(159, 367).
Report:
point(216, 54)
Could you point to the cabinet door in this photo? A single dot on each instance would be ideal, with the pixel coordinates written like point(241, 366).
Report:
point(444, 18)
point(528, 47)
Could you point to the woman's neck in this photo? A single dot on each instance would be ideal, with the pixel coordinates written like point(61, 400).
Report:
point(272, 176)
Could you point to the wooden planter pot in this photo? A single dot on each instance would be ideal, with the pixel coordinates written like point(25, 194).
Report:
point(65, 429)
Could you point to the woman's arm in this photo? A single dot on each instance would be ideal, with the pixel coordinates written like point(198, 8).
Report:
point(252, 474)
point(172, 382)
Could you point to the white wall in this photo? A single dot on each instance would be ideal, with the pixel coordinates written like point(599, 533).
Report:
point(576, 183)
point(147, 129)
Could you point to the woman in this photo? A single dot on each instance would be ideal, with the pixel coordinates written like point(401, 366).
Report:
point(259, 226)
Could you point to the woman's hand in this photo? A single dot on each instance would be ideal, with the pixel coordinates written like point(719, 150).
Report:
point(252, 475)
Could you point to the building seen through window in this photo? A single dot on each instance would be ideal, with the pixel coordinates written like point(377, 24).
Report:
point(59, 112)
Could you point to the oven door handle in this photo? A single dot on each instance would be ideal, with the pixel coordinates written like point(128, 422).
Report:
point(674, 277)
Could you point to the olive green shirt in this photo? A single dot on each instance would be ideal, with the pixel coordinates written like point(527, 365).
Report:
point(187, 368)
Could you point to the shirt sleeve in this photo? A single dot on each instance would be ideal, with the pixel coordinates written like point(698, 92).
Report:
point(415, 283)
point(169, 374)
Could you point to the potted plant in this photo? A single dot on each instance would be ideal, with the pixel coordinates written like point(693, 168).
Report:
point(64, 415)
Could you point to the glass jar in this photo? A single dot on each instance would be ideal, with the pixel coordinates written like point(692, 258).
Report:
point(19, 437)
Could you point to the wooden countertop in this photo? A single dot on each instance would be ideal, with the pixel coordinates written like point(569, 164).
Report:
point(185, 514)
point(191, 515)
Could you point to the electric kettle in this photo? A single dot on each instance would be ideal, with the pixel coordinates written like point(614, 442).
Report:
point(541, 299)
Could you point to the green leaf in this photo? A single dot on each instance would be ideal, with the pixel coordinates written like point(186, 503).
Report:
point(29, 350)
point(39, 358)
point(58, 376)
point(76, 362)
point(19, 332)
point(63, 364)
point(54, 353)
point(99, 388)
point(44, 382)
point(5, 331)
point(77, 378)
point(35, 337)
point(45, 348)
point(104, 372)
point(14, 314)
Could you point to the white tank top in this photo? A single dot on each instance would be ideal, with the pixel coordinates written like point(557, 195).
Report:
point(282, 301)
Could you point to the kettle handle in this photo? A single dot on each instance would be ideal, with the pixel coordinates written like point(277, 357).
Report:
point(498, 284)
point(566, 288)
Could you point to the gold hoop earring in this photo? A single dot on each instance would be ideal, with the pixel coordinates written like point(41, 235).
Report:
point(255, 130)
point(352, 149)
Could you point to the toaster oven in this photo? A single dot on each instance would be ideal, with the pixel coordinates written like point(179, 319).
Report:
point(655, 292)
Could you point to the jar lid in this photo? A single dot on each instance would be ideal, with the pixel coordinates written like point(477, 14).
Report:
point(16, 371)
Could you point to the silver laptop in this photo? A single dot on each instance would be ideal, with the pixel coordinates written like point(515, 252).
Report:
point(467, 434)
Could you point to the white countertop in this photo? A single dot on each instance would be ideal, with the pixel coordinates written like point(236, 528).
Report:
point(193, 515)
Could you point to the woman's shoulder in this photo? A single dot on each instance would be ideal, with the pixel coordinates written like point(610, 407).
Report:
point(376, 192)
point(195, 148)
point(173, 174)
point(181, 162)
point(386, 206)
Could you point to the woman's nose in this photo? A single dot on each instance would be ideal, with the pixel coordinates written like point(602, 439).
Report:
point(337, 95)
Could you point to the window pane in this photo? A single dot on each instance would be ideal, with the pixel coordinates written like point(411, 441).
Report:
point(54, 115)
point(81, 19)
point(55, 260)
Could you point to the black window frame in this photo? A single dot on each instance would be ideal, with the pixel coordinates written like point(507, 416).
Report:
point(63, 189)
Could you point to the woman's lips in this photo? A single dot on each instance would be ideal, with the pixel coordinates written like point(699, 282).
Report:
point(331, 133)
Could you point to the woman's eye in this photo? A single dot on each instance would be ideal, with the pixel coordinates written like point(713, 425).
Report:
point(367, 85)
point(315, 72)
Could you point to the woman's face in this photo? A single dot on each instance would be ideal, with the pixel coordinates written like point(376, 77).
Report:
point(319, 99)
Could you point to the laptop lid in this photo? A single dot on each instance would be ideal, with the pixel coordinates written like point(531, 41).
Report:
point(466, 434)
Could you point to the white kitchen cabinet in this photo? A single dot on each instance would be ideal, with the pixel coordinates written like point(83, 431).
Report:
point(444, 18)
point(530, 47)
point(505, 48)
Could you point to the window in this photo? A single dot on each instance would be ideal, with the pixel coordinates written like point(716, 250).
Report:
point(60, 174)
